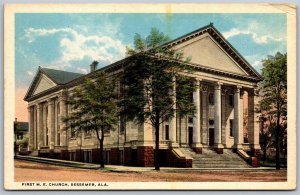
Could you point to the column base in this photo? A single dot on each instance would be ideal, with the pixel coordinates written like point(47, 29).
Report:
point(197, 148)
point(255, 146)
point(174, 145)
point(30, 148)
point(219, 148)
point(255, 152)
point(238, 147)
point(51, 147)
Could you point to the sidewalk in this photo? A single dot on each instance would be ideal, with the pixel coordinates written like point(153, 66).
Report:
point(124, 169)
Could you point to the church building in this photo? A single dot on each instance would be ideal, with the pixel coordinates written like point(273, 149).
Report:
point(224, 132)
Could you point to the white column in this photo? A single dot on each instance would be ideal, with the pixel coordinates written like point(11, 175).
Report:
point(35, 127)
point(238, 125)
point(218, 121)
point(253, 121)
point(40, 132)
point(172, 122)
point(196, 118)
point(224, 91)
point(51, 122)
point(63, 114)
point(204, 136)
point(31, 133)
point(55, 123)
point(45, 125)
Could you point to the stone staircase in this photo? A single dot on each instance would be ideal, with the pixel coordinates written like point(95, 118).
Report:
point(210, 159)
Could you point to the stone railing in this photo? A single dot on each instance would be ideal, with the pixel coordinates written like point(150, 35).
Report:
point(44, 147)
point(163, 143)
point(60, 147)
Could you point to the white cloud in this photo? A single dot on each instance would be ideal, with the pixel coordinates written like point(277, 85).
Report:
point(82, 70)
point(254, 30)
point(30, 73)
point(257, 64)
point(78, 46)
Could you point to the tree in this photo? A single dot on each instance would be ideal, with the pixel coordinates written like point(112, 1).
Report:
point(273, 89)
point(94, 108)
point(16, 129)
point(150, 83)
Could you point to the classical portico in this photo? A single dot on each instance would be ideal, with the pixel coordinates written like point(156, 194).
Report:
point(224, 117)
point(218, 121)
point(46, 123)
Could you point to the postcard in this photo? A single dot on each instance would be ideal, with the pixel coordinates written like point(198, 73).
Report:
point(150, 96)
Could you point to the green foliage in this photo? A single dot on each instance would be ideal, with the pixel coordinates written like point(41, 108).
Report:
point(94, 106)
point(273, 88)
point(149, 80)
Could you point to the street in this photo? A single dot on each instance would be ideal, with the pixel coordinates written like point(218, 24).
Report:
point(26, 171)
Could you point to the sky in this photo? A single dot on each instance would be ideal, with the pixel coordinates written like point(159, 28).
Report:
point(71, 42)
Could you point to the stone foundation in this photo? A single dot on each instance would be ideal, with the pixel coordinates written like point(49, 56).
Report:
point(197, 150)
point(127, 156)
point(114, 156)
point(63, 155)
point(173, 161)
point(256, 154)
point(254, 162)
point(145, 156)
point(219, 150)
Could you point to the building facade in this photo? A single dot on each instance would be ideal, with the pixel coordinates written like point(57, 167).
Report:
point(224, 120)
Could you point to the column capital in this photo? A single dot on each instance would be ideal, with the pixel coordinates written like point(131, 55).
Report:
point(29, 108)
point(204, 88)
point(237, 89)
point(224, 91)
point(217, 85)
point(62, 98)
point(242, 92)
point(50, 102)
point(253, 91)
point(197, 79)
point(39, 106)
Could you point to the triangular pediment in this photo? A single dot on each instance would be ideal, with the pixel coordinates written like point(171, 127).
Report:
point(43, 84)
point(211, 51)
point(205, 51)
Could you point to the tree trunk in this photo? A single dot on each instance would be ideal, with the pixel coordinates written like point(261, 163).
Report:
point(101, 140)
point(156, 155)
point(277, 141)
point(101, 149)
point(179, 140)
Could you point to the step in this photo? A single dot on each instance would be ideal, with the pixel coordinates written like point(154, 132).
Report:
point(210, 159)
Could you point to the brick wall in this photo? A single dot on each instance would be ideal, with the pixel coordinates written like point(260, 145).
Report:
point(145, 156)
point(114, 156)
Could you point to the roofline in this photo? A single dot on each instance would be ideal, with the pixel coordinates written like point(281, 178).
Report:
point(168, 44)
point(182, 39)
point(239, 54)
point(121, 62)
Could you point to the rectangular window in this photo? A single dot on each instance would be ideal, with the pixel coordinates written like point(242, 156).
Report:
point(167, 132)
point(231, 128)
point(231, 100)
point(90, 156)
point(73, 133)
point(122, 124)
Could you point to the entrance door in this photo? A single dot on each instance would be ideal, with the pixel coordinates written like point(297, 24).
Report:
point(211, 136)
point(190, 135)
